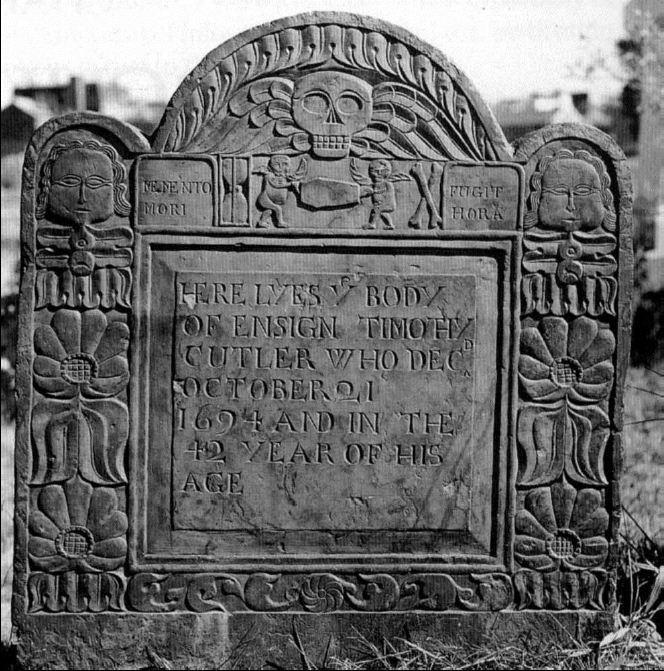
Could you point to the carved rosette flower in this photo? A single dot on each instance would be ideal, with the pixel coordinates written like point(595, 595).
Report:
point(560, 527)
point(81, 362)
point(76, 527)
point(566, 361)
point(566, 370)
point(81, 354)
point(322, 593)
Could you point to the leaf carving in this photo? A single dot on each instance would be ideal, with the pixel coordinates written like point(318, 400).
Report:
point(416, 94)
point(90, 440)
point(75, 592)
point(562, 438)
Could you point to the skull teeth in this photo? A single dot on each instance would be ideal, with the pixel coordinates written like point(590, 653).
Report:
point(331, 141)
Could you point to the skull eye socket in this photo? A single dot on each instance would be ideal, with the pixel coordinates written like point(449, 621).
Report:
point(316, 103)
point(349, 103)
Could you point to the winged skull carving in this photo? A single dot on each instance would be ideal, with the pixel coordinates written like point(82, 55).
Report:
point(333, 115)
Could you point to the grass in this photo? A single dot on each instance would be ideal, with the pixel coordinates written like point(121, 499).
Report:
point(642, 483)
point(639, 648)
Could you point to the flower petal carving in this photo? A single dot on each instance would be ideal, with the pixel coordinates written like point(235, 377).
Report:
point(562, 438)
point(54, 431)
point(90, 440)
point(105, 287)
point(560, 361)
point(48, 344)
point(588, 434)
point(563, 589)
point(565, 368)
point(75, 592)
point(76, 527)
point(559, 526)
point(81, 355)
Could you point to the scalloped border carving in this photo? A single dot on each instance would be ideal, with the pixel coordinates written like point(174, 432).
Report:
point(359, 44)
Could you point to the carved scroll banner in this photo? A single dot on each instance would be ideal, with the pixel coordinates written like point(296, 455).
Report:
point(324, 348)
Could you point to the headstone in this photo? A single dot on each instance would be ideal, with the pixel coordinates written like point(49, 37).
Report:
point(324, 358)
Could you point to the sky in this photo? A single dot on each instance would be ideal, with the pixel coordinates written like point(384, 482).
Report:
point(508, 48)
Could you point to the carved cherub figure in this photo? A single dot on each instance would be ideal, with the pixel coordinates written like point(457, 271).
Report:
point(379, 186)
point(278, 181)
point(570, 241)
point(571, 193)
point(82, 183)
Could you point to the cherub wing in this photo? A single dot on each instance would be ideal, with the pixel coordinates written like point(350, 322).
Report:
point(301, 170)
point(259, 119)
point(408, 124)
point(357, 174)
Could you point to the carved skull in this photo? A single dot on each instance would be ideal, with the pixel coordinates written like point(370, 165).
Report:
point(331, 107)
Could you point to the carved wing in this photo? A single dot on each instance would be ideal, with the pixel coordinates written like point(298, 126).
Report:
point(294, 49)
point(408, 124)
point(301, 170)
point(258, 119)
point(357, 174)
point(400, 177)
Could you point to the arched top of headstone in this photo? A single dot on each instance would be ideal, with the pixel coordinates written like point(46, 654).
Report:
point(273, 88)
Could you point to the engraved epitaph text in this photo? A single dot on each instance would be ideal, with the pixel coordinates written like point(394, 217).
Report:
point(323, 401)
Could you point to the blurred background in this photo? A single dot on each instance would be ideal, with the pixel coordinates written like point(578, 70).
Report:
point(535, 62)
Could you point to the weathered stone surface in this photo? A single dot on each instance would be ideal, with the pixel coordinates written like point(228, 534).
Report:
point(326, 353)
point(128, 641)
point(255, 641)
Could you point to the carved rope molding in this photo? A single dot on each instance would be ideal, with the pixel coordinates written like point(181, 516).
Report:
point(72, 376)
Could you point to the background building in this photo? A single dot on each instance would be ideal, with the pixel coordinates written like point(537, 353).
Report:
point(518, 116)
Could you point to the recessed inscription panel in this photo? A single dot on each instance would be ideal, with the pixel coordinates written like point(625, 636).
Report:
point(277, 193)
point(478, 196)
point(176, 190)
point(329, 399)
point(323, 400)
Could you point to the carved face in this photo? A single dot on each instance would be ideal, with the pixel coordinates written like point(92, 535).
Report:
point(571, 197)
point(279, 164)
point(379, 169)
point(331, 107)
point(81, 188)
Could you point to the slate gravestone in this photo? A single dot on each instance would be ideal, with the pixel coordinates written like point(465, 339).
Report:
point(324, 358)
